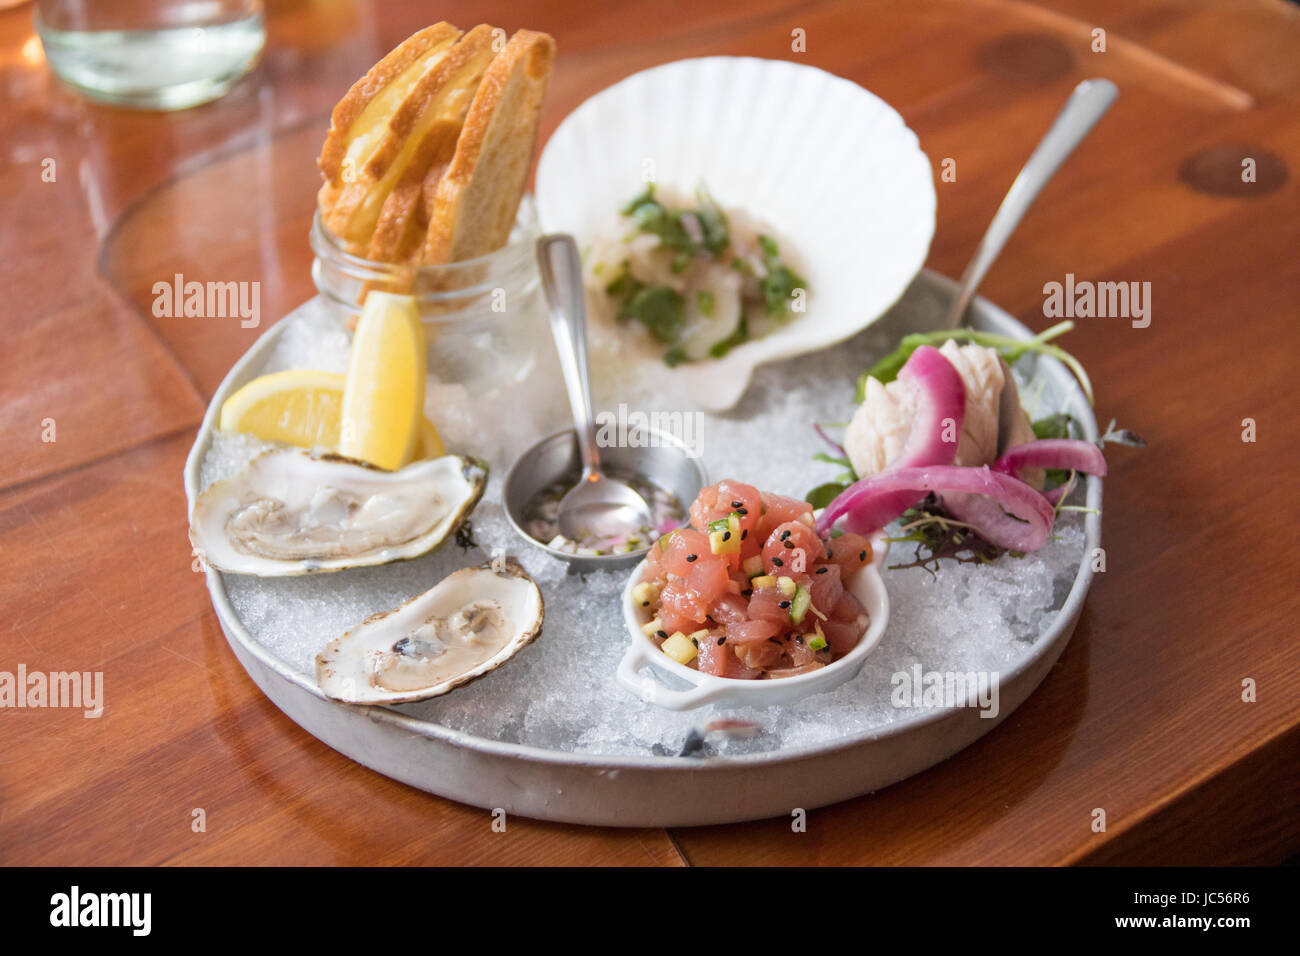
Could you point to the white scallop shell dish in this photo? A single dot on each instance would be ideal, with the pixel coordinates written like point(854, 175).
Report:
point(830, 168)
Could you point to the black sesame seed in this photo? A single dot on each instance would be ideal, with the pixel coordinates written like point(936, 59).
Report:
point(784, 604)
point(822, 570)
point(737, 504)
point(862, 555)
point(645, 603)
point(742, 511)
point(829, 556)
point(744, 533)
point(798, 638)
point(722, 640)
point(784, 535)
point(663, 634)
point(691, 557)
point(695, 641)
point(778, 562)
point(789, 545)
point(726, 536)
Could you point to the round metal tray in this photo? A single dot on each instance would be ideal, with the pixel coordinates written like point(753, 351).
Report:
point(651, 790)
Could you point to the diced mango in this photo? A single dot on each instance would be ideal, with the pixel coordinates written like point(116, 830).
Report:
point(645, 593)
point(724, 542)
point(680, 648)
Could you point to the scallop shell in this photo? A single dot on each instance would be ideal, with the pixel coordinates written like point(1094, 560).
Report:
point(830, 167)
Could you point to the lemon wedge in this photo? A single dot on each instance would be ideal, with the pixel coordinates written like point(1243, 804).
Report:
point(383, 399)
point(301, 407)
point(430, 441)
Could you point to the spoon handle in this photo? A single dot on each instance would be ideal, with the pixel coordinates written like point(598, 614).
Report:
point(1086, 105)
point(561, 269)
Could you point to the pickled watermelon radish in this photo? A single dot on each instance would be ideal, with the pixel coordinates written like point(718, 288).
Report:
point(774, 606)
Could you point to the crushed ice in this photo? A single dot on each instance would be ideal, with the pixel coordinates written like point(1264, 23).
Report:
point(559, 693)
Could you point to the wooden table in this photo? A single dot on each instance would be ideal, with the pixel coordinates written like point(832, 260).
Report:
point(1142, 717)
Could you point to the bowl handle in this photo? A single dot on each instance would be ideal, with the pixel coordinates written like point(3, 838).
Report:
point(652, 692)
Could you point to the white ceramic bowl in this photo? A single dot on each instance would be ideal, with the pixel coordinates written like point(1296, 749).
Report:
point(866, 585)
point(830, 167)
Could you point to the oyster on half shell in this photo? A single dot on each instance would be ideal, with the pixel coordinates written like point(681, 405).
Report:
point(468, 624)
point(290, 512)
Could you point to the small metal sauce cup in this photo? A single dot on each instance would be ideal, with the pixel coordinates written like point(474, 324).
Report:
point(659, 458)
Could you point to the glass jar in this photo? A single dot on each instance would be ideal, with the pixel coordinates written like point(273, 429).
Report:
point(484, 319)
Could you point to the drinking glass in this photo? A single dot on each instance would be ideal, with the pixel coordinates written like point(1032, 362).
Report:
point(151, 54)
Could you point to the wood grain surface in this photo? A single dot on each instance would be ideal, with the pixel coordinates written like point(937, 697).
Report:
point(1143, 716)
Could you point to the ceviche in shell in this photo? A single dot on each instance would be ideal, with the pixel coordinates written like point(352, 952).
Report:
point(692, 278)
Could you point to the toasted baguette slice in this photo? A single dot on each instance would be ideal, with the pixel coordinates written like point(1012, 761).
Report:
point(399, 70)
point(369, 106)
point(402, 224)
point(405, 128)
point(477, 198)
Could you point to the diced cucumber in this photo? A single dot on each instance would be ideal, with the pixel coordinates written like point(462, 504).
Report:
point(730, 523)
point(817, 642)
point(799, 604)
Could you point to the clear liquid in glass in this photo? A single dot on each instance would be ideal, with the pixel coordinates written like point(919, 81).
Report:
point(151, 54)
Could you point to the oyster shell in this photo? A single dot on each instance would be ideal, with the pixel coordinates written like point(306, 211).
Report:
point(468, 624)
point(290, 512)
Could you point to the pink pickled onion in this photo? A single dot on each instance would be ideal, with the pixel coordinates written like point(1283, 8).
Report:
point(1023, 516)
point(1067, 454)
point(1063, 453)
point(941, 404)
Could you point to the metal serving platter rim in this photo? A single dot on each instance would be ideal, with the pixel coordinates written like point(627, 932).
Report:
point(1046, 641)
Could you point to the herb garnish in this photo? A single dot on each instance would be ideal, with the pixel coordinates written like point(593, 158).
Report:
point(661, 309)
point(780, 283)
point(737, 337)
point(692, 235)
point(940, 537)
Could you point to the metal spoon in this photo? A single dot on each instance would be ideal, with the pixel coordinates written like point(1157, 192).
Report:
point(598, 506)
point(1087, 104)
